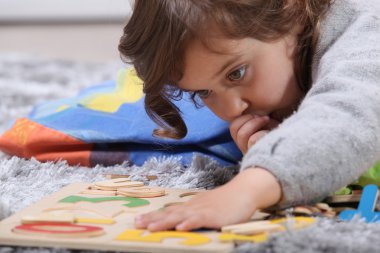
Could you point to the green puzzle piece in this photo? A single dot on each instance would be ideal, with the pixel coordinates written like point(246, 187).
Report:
point(134, 202)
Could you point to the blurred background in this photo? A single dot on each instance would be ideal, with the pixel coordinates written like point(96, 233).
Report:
point(80, 30)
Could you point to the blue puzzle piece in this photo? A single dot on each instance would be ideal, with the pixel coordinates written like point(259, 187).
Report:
point(366, 206)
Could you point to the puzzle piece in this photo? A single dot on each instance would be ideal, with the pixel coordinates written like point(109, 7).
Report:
point(229, 237)
point(59, 230)
point(62, 218)
point(48, 218)
point(114, 176)
point(85, 208)
point(268, 226)
point(190, 238)
point(133, 202)
point(116, 183)
point(142, 192)
point(366, 206)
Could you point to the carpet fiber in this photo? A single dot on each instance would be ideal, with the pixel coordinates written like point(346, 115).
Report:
point(27, 80)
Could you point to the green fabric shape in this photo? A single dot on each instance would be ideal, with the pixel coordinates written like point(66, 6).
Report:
point(371, 176)
point(134, 202)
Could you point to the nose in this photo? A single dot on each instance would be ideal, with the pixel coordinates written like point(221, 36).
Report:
point(233, 106)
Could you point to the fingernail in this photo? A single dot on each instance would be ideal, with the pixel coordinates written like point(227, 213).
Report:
point(180, 227)
point(138, 220)
point(152, 227)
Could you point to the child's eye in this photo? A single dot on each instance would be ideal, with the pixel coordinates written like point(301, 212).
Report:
point(203, 93)
point(238, 74)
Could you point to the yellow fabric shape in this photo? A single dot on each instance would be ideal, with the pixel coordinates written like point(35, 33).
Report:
point(129, 89)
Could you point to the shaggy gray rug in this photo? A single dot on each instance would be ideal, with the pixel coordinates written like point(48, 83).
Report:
point(27, 80)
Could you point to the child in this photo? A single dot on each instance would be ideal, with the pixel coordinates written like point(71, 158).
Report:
point(298, 80)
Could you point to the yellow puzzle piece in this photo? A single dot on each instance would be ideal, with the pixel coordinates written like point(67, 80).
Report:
point(190, 238)
point(228, 237)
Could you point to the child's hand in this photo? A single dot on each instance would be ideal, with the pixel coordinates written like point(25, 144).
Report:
point(232, 203)
point(247, 129)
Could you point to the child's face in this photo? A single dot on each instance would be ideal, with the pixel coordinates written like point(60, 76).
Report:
point(253, 77)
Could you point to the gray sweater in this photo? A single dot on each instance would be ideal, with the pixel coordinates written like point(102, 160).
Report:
point(334, 136)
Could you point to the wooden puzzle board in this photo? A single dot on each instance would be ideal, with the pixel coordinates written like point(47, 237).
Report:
point(124, 220)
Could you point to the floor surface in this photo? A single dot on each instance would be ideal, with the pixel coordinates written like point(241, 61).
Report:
point(79, 42)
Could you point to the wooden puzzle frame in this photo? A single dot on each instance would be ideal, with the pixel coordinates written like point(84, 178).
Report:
point(80, 217)
point(113, 234)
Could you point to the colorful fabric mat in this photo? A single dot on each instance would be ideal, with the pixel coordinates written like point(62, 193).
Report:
point(107, 124)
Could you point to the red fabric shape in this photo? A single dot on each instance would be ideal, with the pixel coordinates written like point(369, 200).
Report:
point(29, 139)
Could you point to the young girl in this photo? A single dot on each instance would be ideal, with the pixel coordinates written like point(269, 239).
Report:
point(298, 80)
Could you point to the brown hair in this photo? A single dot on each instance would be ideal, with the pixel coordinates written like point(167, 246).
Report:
point(156, 35)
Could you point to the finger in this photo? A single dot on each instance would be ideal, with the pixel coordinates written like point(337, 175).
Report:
point(193, 222)
point(238, 123)
point(167, 222)
point(272, 124)
point(256, 137)
point(249, 129)
point(142, 221)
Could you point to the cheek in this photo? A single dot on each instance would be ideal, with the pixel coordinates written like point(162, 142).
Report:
point(269, 91)
point(211, 105)
point(275, 76)
point(215, 108)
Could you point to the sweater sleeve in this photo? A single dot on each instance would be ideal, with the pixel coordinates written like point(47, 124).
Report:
point(334, 136)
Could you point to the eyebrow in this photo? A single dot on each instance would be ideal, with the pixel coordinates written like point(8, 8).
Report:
point(227, 64)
